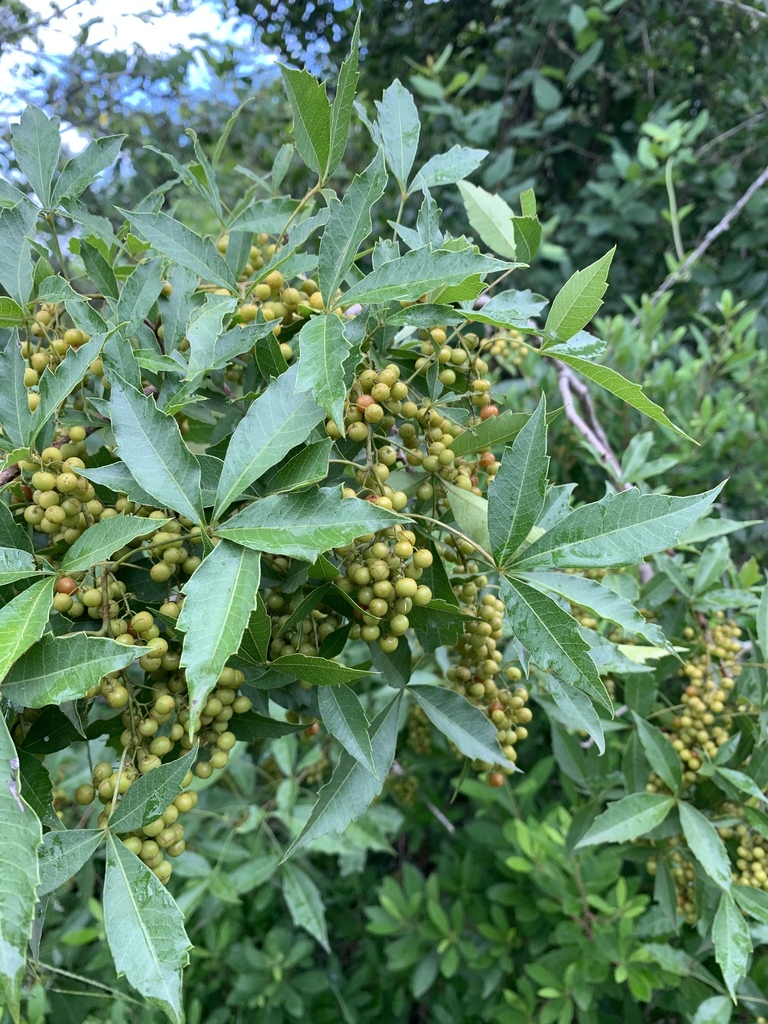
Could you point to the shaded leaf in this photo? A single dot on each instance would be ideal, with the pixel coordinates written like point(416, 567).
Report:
point(344, 717)
point(463, 724)
point(627, 819)
point(63, 853)
point(22, 622)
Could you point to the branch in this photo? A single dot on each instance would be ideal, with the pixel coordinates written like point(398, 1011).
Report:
point(587, 422)
point(743, 7)
point(9, 474)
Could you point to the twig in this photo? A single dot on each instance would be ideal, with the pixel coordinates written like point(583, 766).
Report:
point(743, 7)
point(9, 474)
point(587, 424)
point(398, 771)
point(719, 229)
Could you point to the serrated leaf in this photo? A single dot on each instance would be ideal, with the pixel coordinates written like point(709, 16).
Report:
point(352, 788)
point(105, 538)
point(311, 118)
point(220, 596)
point(349, 223)
point(145, 930)
point(84, 168)
point(527, 237)
point(16, 565)
point(344, 717)
point(11, 313)
point(17, 225)
point(267, 215)
point(62, 668)
point(471, 514)
point(98, 270)
point(579, 299)
point(742, 782)
point(183, 246)
point(463, 724)
point(733, 945)
point(63, 853)
point(620, 529)
point(324, 350)
point(578, 711)
point(398, 129)
point(151, 446)
point(254, 645)
point(12, 535)
point(753, 901)
point(448, 168)
point(305, 525)
point(315, 670)
point(150, 795)
point(603, 602)
point(341, 110)
point(705, 844)
point(22, 622)
point(627, 819)
point(15, 415)
point(420, 271)
point(305, 904)
point(56, 386)
point(36, 144)
point(138, 295)
point(517, 492)
point(281, 418)
point(661, 755)
point(625, 390)
point(553, 637)
point(308, 466)
point(716, 1009)
point(19, 839)
point(205, 326)
point(491, 218)
point(253, 726)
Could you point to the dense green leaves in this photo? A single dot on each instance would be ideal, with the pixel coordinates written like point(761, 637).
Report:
point(22, 622)
point(463, 724)
point(145, 930)
point(151, 794)
point(627, 819)
point(344, 717)
point(305, 903)
point(220, 596)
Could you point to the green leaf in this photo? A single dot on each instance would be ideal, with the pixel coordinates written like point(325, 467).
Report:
point(661, 755)
point(352, 788)
point(62, 668)
point(554, 637)
point(706, 845)
point(733, 945)
point(305, 904)
point(151, 446)
point(254, 646)
point(603, 602)
point(315, 670)
point(516, 494)
point(742, 782)
point(36, 787)
point(620, 529)
point(145, 930)
point(15, 416)
point(305, 525)
point(344, 717)
point(761, 621)
point(63, 853)
point(20, 836)
point(341, 111)
point(527, 237)
point(311, 118)
point(752, 901)
point(577, 710)
point(151, 794)
point(11, 313)
point(320, 375)
point(281, 418)
point(17, 225)
point(220, 596)
point(36, 144)
point(495, 430)
point(16, 565)
point(462, 723)
point(12, 535)
point(625, 390)
point(398, 128)
point(22, 622)
point(349, 223)
point(715, 1010)
point(491, 218)
point(183, 246)
point(448, 168)
point(204, 328)
point(627, 819)
point(267, 215)
point(84, 168)
point(308, 466)
point(56, 386)
point(138, 296)
point(253, 726)
point(419, 271)
point(99, 270)
point(106, 537)
point(579, 299)
point(471, 514)
point(117, 477)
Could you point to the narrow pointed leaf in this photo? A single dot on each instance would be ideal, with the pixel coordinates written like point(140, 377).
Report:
point(662, 756)
point(16, 565)
point(105, 538)
point(448, 168)
point(13, 535)
point(305, 525)
point(706, 845)
point(281, 418)
point(579, 299)
point(399, 128)
point(732, 942)
point(36, 144)
point(151, 794)
point(15, 416)
point(145, 930)
point(308, 466)
point(627, 819)
point(344, 717)
point(578, 710)
point(22, 622)
point(324, 350)
point(183, 246)
point(517, 492)
point(471, 514)
point(352, 788)
point(151, 446)
point(491, 218)
point(57, 669)
point(462, 723)
point(56, 386)
point(17, 225)
point(305, 904)
point(341, 110)
point(349, 223)
point(317, 671)
point(220, 596)
point(620, 529)
point(311, 118)
point(553, 636)
point(63, 853)
point(20, 837)
point(84, 168)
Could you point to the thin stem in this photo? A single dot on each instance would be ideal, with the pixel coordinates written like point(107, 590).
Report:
point(674, 216)
point(444, 526)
